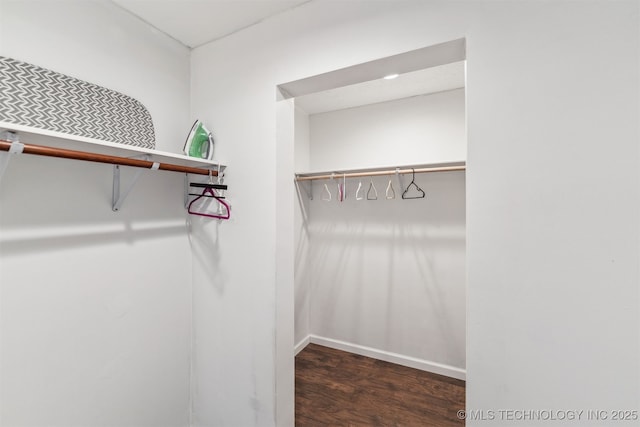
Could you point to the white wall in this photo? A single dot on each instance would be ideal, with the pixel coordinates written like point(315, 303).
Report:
point(388, 275)
point(302, 294)
point(552, 249)
point(427, 128)
point(95, 306)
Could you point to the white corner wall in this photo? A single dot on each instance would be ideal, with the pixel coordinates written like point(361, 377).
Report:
point(95, 306)
point(552, 205)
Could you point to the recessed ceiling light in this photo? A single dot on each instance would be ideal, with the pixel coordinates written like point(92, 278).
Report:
point(390, 76)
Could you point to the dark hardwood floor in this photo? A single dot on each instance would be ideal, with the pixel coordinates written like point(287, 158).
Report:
point(336, 388)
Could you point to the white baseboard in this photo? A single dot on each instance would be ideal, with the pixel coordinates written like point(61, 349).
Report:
point(301, 345)
point(399, 359)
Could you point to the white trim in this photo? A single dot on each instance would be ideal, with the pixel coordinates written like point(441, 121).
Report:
point(419, 59)
point(399, 359)
point(301, 345)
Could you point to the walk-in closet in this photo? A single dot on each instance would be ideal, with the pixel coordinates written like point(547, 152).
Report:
point(380, 220)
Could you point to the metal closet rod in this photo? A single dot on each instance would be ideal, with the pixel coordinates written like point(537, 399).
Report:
point(41, 150)
point(303, 177)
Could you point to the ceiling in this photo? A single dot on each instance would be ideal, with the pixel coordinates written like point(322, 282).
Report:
point(196, 22)
point(421, 82)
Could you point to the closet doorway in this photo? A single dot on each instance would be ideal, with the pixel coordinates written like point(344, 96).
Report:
point(378, 245)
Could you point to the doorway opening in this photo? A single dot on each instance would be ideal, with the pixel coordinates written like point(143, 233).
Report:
point(376, 252)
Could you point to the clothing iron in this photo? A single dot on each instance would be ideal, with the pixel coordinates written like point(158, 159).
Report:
point(199, 143)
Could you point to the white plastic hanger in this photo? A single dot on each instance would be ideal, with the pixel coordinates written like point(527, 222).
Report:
point(326, 194)
point(359, 196)
point(390, 193)
point(375, 192)
point(342, 189)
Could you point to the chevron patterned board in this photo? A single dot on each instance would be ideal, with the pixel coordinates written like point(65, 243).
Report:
point(45, 100)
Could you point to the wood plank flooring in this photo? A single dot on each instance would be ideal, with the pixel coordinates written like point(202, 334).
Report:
point(336, 388)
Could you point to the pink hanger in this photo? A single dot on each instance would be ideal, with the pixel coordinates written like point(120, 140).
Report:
point(208, 192)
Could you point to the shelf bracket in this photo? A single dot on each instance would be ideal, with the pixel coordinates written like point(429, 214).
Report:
point(16, 148)
point(301, 187)
point(118, 197)
point(186, 190)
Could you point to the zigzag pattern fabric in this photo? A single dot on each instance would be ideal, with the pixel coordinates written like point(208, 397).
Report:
point(43, 99)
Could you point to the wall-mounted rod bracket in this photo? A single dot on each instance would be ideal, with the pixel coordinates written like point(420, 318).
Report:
point(186, 190)
point(118, 198)
point(308, 191)
point(15, 148)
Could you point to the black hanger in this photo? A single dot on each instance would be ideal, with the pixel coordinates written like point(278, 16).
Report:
point(205, 186)
point(413, 182)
